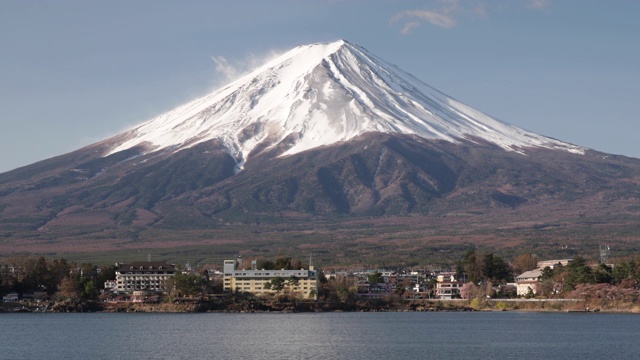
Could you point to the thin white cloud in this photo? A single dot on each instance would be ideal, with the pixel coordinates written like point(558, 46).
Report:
point(538, 4)
point(416, 16)
point(447, 13)
point(228, 71)
point(408, 27)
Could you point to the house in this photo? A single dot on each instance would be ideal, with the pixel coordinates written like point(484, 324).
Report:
point(448, 290)
point(374, 290)
point(528, 282)
point(110, 285)
point(11, 297)
point(141, 296)
point(150, 276)
point(254, 280)
point(421, 290)
point(447, 287)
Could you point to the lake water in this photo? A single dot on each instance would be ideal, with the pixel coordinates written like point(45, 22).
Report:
point(479, 335)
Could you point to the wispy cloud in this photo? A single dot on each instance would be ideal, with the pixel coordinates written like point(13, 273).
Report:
point(228, 71)
point(416, 17)
point(538, 4)
point(447, 13)
point(442, 17)
point(231, 70)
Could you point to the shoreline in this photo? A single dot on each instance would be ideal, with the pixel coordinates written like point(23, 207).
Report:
point(293, 306)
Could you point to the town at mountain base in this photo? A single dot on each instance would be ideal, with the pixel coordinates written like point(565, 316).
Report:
point(481, 281)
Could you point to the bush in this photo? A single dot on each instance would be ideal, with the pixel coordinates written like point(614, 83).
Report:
point(476, 304)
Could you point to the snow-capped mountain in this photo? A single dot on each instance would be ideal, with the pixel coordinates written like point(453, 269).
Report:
point(335, 145)
point(321, 94)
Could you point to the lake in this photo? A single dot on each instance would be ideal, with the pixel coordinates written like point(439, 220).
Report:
point(433, 335)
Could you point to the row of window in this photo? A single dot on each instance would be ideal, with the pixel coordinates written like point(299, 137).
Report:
point(303, 274)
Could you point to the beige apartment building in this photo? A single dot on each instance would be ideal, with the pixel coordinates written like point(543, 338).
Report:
point(253, 281)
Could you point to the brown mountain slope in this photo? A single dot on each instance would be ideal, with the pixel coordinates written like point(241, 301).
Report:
point(376, 193)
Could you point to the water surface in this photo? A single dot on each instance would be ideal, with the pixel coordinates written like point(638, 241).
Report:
point(506, 335)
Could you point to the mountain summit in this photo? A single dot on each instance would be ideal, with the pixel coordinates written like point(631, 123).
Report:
point(321, 94)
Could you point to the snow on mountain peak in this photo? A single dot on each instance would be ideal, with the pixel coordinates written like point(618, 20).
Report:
point(320, 94)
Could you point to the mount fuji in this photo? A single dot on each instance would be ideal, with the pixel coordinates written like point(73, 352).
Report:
point(322, 140)
point(318, 95)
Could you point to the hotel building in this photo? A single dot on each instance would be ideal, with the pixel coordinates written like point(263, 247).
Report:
point(253, 281)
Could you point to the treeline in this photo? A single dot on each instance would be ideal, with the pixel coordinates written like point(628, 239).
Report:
point(478, 267)
point(564, 279)
point(281, 263)
point(58, 277)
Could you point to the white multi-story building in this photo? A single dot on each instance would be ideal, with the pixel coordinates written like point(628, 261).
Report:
point(447, 287)
point(150, 276)
point(254, 280)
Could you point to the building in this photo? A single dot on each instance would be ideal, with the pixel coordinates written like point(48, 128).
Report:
point(448, 290)
point(551, 263)
point(110, 285)
point(150, 276)
point(374, 290)
point(11, 297)
point(447, 287)
point(528, 282)
point(254, 280)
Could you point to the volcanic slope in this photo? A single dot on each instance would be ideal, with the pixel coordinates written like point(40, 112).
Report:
point(323, 134)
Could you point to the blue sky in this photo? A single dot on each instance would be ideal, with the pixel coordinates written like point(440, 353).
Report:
point(76, 72)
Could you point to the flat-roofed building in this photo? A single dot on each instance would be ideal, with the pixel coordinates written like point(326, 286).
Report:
point(149, 276)
point(254, 280)
point(551, 263)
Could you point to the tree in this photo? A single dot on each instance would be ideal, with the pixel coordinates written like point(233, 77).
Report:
point(484, 268)
point(603, 274)
point(38, 277)
point(276, 284)
point(375, 278)
point(89, 291)
point(470, 266)
point(578, 272)
point(283, 263)
point(181, 284)
point(266, 264)
point(68, 288)
point(524, 262)
point(469, 291)
point(322, 279)
point(293, 281)
point(547, 273)
point(502, 271)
